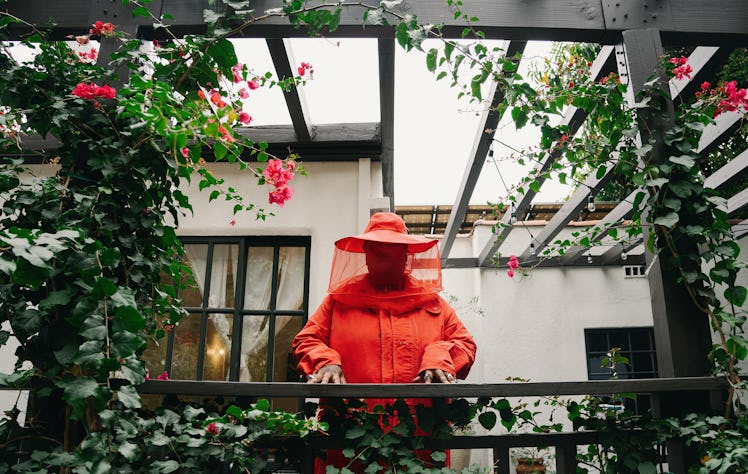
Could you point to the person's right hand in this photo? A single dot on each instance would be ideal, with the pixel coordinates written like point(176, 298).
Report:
point(327, 374)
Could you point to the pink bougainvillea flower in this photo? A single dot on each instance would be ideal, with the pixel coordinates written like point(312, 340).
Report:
point(276, 174)
point(304, 68)
point(683, 71)
point(253, 84)
point(513, 262)
point(245, 118)
point(510, 273)
point(163, 376)
point(232, 222)
point(212, 429)
point(83, 39)
point(237, 71)
point(92, 53)
point(156, 44)
point(243, 93)
point(147, 374)
point(280, 195)
point(705, 86)
point(217, 100)
point(185, 152)
point(225, 134)
point(102, 29)
point(201, 94)
point(92, 91)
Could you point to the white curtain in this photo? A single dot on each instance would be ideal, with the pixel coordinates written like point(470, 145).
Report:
point(224, 255)
point(290, 296)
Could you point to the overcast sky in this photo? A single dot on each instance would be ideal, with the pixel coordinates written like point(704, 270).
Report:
point(434, 132)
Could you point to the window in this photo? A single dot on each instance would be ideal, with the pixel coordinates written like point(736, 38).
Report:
point(636, 344)
point(248, 300)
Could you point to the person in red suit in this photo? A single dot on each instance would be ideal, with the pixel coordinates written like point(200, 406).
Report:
point(383, 320)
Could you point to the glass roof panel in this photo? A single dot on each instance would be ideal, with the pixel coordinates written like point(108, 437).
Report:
point(345, 88)
point(266, 105)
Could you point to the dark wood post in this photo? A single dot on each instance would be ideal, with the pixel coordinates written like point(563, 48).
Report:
point(682, 334)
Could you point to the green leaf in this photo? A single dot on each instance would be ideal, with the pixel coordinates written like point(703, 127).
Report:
point(30, 275)
point(355, 432)
point(164, 466)
point(349, 453)
point(76, 391)
point(520, 117)
point(129, 451)
point(646, 467)
point(487, 419)
point(684, 160)
point(125, 344)
point(439, 456)
point(431, 59)
point(27, 323)
point(56, 298)
point(128, 396)
point(668, 220)
point(682, 189)
point(736, 295)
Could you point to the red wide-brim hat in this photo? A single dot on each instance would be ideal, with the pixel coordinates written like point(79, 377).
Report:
point(389, 228)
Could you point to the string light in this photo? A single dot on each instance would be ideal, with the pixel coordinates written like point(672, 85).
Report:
point(591, 203)
point(589, 257)
point(532, 248)
point(624, 255)
point(513, 215)
point(490, 151)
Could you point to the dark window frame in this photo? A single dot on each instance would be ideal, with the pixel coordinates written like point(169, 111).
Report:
point(238, 312)
point(643, 401)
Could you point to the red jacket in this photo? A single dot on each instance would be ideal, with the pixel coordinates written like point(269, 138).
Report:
point(390, 344)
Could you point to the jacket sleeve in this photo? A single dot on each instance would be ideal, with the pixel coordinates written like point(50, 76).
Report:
point(310, 346)
point(456, 352)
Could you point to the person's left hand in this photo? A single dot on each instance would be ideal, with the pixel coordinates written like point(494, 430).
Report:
point(435, 376)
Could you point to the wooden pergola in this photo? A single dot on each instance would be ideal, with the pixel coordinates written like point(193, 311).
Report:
point(632, 34)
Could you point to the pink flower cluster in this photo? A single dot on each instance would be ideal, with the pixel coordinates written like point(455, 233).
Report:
point(102, 29)
point(90, 54)
point(728, 97)
point(212, 429)
point(682, 68)
point(278, 175)
point(162, 376)
point(513, 265)
point(92, 91)
point(304, 68)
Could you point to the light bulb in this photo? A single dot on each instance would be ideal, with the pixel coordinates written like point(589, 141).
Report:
point(589, 258)
point(490, 152)
point(624, 255)
point(591, 203)
point(532, 249)
point(513, 218)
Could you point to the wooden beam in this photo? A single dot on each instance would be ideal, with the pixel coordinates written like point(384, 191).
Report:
point(551, 262)
point(604, 63)
point(283, 60)
point(569, 210)
point(386, 54)
point(740, 229)
point(695, 22)
point(737, 202)
point(731, 169)
point(295, 389)
point(622, 211)
point(332, 142)
point(716, 133)
point(487, 124)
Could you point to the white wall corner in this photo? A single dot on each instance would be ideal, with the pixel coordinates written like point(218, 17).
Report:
point(364, 192)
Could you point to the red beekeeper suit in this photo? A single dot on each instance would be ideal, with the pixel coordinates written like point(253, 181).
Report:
point(383, 321)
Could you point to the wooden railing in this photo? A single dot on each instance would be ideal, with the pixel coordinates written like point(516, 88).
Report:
point(565, 444)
